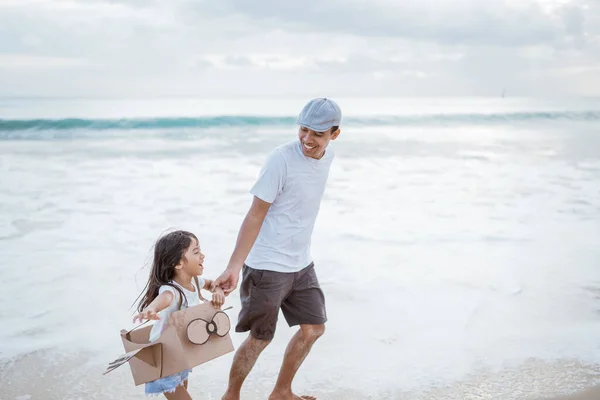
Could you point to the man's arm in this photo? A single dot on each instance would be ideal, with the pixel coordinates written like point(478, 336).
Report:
point(245, 240)
point(248, 232)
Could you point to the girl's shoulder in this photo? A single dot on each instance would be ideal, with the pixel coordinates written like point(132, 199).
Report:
point(173, 286)
point(170, 288)
point(200, 281)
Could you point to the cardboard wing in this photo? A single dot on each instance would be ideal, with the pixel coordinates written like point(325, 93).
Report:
point(150, 356)
point(191, 337)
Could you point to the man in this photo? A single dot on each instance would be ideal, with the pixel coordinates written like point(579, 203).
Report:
point(273, 249)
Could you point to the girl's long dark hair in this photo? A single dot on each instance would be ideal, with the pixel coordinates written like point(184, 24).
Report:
point(169, 250)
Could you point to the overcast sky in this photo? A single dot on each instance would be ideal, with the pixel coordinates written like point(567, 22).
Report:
point(131, 48)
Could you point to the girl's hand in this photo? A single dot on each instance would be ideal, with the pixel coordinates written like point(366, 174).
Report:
point(146, 314)
point(218, 297)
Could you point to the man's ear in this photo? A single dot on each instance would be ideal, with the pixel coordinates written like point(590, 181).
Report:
point(335, 134)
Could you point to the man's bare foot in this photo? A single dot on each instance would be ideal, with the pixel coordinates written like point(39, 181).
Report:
point(289, 396)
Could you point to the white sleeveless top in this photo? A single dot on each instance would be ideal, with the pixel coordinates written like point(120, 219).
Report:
point(192, 298)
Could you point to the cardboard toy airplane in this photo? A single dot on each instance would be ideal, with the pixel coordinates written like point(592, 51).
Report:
point(191, 337)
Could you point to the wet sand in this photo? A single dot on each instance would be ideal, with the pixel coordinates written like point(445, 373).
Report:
point(590, 394)
point(52, 375)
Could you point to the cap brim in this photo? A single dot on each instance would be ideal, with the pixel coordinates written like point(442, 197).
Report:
point(317, 128)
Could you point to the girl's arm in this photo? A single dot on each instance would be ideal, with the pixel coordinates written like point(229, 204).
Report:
point(207, 284)
point(218, 297)
point(161, 302)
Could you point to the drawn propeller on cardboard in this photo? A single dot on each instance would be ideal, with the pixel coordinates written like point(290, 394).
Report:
point(199, 330)
point(191, 337)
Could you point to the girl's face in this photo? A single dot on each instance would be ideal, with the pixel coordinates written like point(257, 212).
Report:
point(193, 260)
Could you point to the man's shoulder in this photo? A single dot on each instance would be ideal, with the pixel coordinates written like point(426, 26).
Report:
point(287, 149)
point(283, 153)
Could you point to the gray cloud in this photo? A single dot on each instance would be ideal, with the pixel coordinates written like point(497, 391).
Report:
point(231, 47)
point(478, 22)
point(238, 61)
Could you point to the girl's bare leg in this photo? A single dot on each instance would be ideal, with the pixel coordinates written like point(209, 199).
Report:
point(180, 394)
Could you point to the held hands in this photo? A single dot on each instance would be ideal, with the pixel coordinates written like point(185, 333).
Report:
point(147, 314)
point(218, 297)
point(227, 281)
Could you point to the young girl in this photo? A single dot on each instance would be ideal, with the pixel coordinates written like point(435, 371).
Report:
point(174, 284)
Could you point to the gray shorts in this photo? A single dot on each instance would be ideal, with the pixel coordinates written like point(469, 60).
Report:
point(263, 293)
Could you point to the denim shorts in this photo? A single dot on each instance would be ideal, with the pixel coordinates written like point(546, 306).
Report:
point(168, 384)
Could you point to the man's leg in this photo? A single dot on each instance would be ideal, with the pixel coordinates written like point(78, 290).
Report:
point(296, 352)
point(243, 361)
point(304, 306)
point(261, 294)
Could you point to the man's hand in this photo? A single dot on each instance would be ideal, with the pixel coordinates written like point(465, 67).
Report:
point(245, 240)
point(227, 281)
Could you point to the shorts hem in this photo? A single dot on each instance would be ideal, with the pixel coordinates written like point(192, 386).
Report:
point(320, 321)
point(176, 380)
point(254, 334)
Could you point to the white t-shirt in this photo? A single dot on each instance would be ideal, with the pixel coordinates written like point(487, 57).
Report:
point(193, 299)
point(294, 185)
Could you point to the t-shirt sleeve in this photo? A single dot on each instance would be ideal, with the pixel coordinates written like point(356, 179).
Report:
point(271, 178)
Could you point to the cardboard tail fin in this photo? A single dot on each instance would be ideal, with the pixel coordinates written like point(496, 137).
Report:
point(151, 355)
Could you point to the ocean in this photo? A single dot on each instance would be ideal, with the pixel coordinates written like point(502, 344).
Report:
point(457, 242)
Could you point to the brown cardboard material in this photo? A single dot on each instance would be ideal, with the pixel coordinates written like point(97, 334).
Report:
point(191, 337)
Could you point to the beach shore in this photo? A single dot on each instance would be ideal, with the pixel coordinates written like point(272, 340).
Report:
point(589, 394)
point(475, 221)
point(60, 375)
